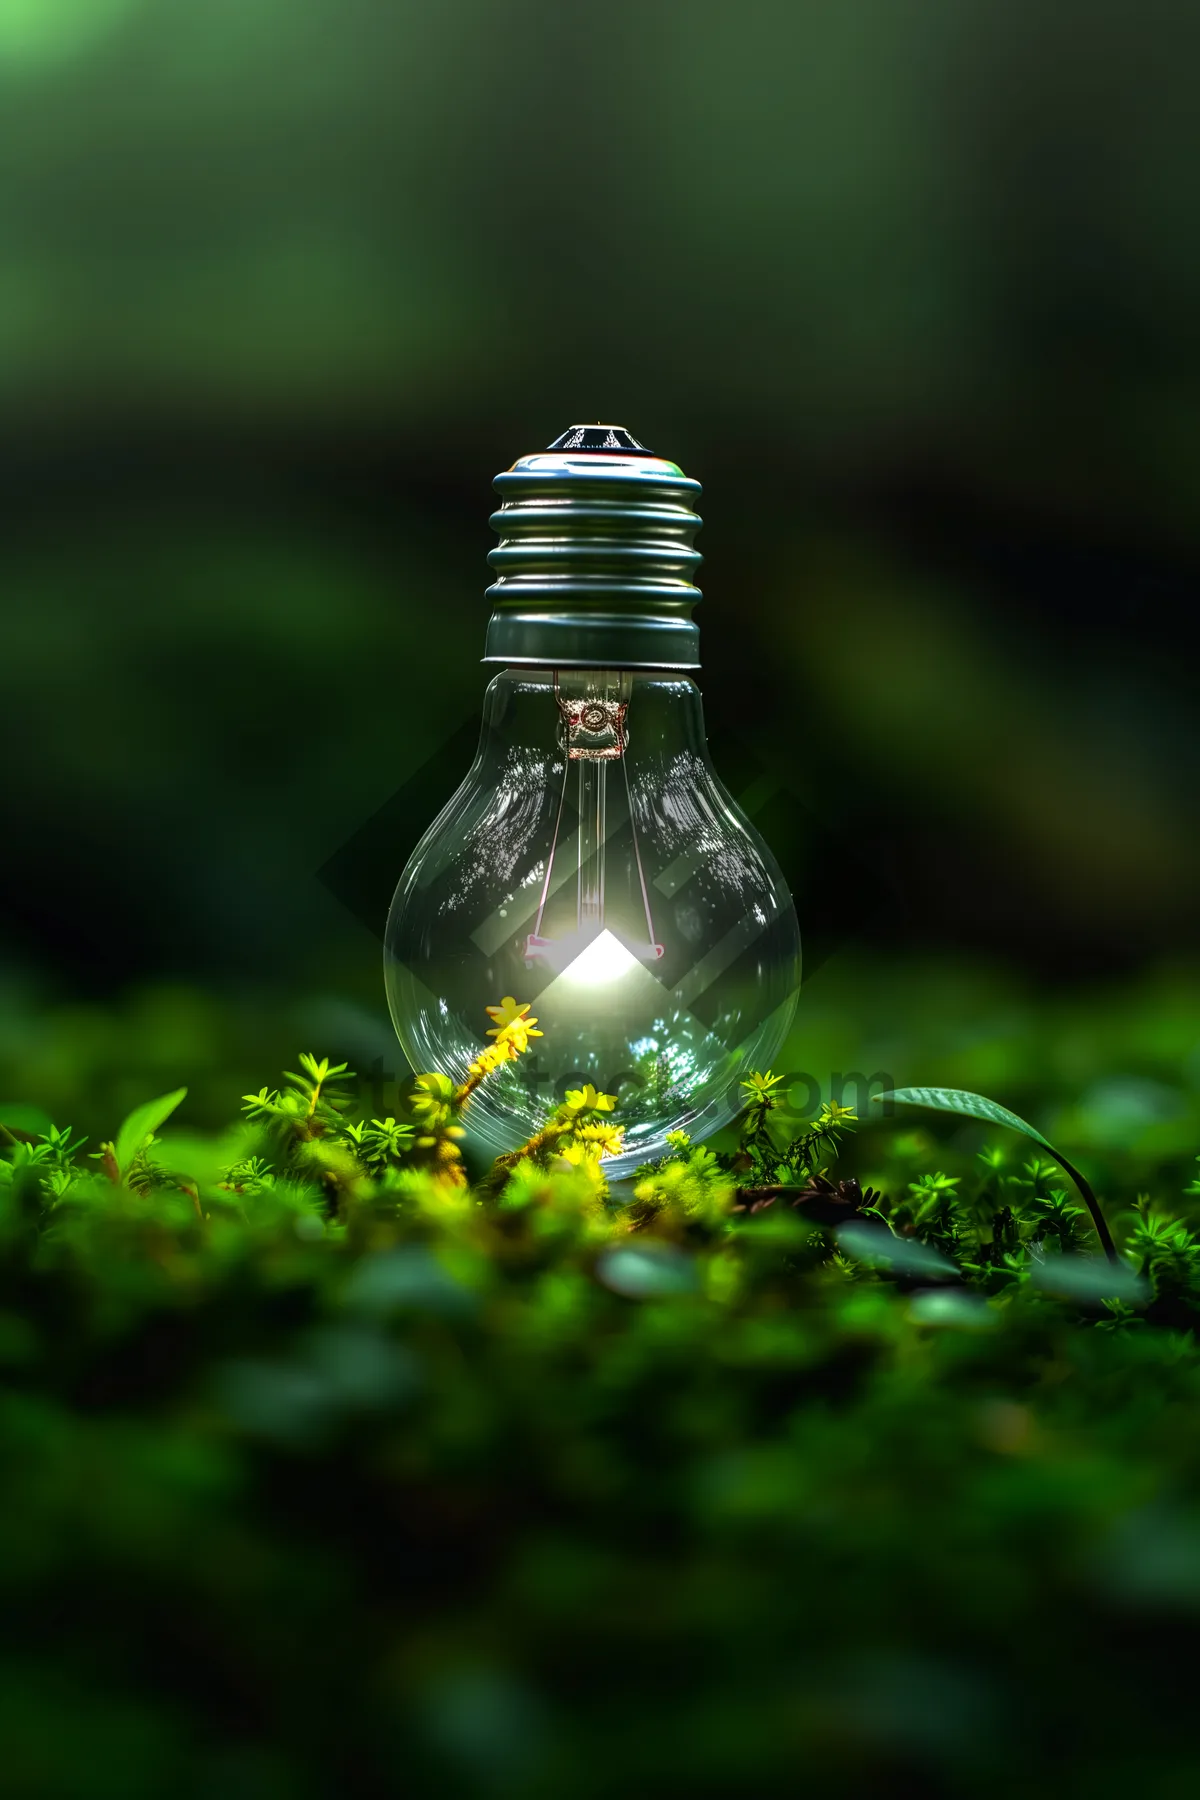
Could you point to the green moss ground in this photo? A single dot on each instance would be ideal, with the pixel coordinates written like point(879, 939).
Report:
point(360, 1483)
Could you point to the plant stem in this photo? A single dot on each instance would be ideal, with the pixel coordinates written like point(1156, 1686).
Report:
point(463, 1093)
point(544, 1139)
point(1090, 1201)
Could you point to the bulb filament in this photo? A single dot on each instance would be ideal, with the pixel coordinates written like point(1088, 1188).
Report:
point(593, 734)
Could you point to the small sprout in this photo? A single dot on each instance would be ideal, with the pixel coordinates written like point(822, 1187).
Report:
point(760, 1089)
point(933, 1201)
point(1121, 1317)
point(384, 1140)
point(263, 1105)
point(250, 1176)
point(1038, 1174)
point(316, 1073)
point(932, 1187)
point(309, 1108)
point(61, 1146)
point(834, 1118)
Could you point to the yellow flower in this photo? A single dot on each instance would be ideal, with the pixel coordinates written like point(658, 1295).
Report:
point(586, 1099)
point(605, 1140)
point(490, 1059)
point(505, 1013)
point(513, 1025)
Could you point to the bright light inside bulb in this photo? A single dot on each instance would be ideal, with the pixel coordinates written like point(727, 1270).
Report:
point(604, 961)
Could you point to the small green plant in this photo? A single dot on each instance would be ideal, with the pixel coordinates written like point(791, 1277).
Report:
point(994, 1227)
point(975, 1106)
point(306, 1154)
point(525, 1442)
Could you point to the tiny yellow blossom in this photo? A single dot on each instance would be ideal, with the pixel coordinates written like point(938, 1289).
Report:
point(506, 1013)
point(513, 1025)
point(603, 1140)
point(519, 1033)
point(490, 1059)
point(586, 1099)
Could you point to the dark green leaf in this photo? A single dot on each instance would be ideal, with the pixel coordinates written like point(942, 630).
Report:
point(880, 1249)
point(1089, 1280)
point(967, 1106)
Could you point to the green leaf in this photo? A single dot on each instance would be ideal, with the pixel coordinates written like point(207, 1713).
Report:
point(968, 1106)
point(1090, 1280)
point(142, 1121)
point(975, 1106)
point(645, 1272)
point(954, 1308)
point(876, 1246)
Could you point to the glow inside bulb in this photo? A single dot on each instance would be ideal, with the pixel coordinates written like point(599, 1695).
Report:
point(604, 961)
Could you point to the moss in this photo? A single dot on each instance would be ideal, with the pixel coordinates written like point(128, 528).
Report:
point(324, 1470)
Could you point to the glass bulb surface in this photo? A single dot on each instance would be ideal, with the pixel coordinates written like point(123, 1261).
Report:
point(592, 864)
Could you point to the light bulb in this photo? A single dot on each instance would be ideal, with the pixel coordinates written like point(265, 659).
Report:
point(591, 863)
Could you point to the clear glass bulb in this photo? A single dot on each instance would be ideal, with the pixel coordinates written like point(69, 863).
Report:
point(592, 864)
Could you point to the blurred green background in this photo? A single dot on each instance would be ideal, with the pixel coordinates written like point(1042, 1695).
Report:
point(914, 290)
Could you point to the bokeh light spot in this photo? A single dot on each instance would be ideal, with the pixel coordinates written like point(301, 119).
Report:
point(35, 32)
